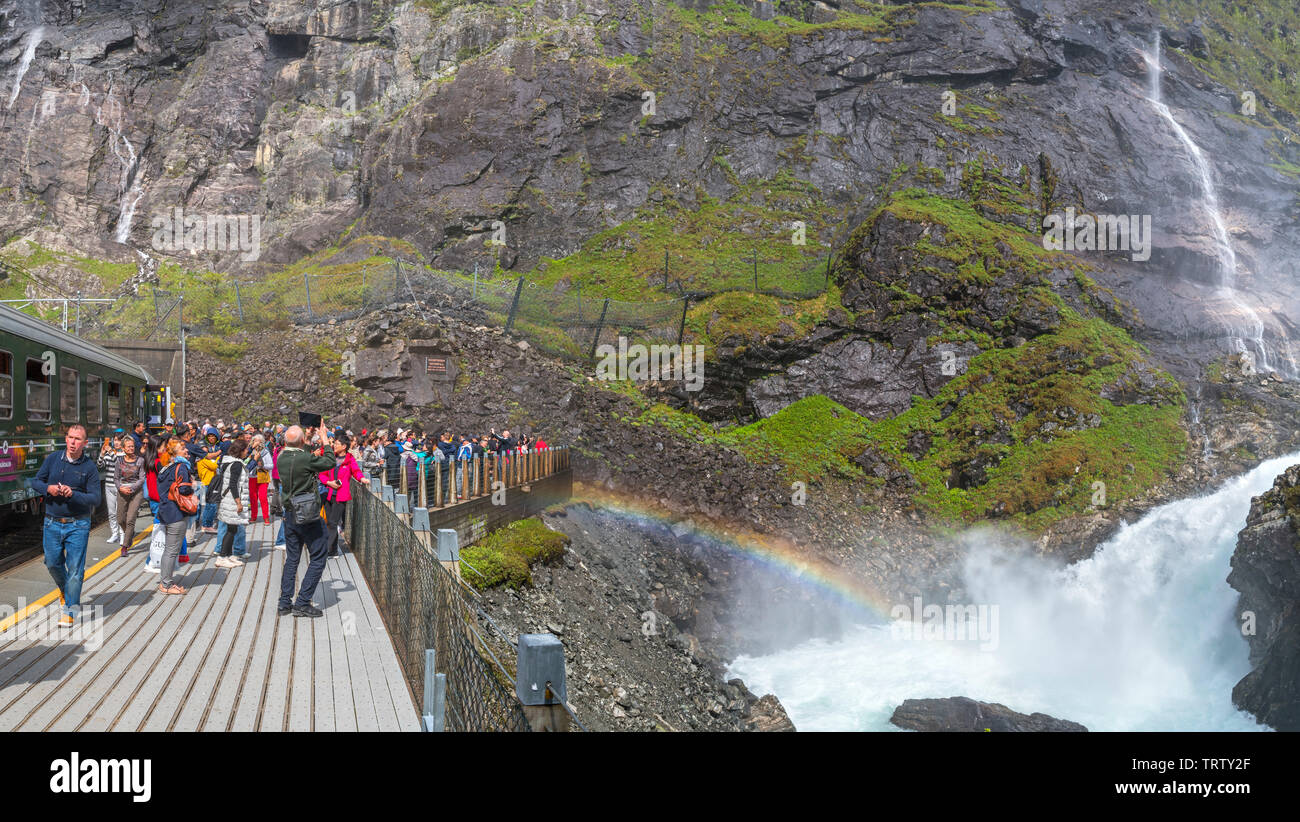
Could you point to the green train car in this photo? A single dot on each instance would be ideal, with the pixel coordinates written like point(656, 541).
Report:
point(50, 379)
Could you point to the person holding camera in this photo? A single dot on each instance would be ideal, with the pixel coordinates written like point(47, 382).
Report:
point(299, 471)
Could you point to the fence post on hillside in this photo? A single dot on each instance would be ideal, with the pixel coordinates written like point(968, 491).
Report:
point(239, 301)
point(665, 269)
point(514, 305)
point(681, 327)
point(539, 682)
point(306, 284)
point(830, 256)
point(423, 496)
point(755, 270)
point(435, 694)
point(397, 279)
point(449, 550)
point(595, 338)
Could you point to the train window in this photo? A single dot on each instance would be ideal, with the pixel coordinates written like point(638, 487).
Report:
point(94, 398)
point(69, 402)
point(38, 391)
point(115, 402)
point(6, 385)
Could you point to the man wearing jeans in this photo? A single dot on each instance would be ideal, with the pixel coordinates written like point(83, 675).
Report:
point(69, 482)
point(299, 472)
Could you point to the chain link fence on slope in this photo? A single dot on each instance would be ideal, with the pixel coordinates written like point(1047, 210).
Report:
point(560, 320)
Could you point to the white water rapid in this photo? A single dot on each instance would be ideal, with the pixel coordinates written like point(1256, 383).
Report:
point(1141, 636)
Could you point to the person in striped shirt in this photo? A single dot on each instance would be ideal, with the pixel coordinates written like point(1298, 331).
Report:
point(108, 455)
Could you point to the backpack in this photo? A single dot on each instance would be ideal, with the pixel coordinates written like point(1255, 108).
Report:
point(213, 496)
point(185, 502)
point(219, 481)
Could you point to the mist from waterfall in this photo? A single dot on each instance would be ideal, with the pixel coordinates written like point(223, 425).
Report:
point(1143, 635)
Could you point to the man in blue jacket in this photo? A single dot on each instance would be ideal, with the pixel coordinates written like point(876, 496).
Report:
point(69, 482)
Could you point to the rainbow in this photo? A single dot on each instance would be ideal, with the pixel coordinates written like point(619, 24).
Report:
point(776, 554)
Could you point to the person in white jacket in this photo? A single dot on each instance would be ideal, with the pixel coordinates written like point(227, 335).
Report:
point(233, 504)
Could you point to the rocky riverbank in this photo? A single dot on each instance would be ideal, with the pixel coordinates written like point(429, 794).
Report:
point(1266, 570)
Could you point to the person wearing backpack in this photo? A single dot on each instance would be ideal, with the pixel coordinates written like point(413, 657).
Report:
point(303, 530)
point(233, 501)
point(176, 484)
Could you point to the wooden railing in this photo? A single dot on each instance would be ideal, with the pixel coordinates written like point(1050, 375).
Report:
point(441, 484)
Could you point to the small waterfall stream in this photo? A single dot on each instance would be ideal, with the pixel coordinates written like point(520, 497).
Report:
point(1247, 337)
point(34, 38)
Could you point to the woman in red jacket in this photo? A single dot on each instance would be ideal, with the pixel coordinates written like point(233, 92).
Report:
point(339, 482)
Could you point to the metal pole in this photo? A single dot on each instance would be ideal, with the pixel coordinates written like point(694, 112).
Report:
point(78, 331)
point(181, 305)
point(681, 329)
point(476, 281)
point(665, 268)
point(514, 306)
point(65, 315)
point(306, 283)
point(239, 303)
point(756, 271)
point(595, 338)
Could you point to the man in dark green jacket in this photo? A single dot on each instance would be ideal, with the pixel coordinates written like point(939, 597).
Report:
point(299, 470)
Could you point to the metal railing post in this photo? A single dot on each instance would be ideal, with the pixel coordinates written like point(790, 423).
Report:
point(435, 695)
point(306, 284)
point(539, 682)
point(449, 550)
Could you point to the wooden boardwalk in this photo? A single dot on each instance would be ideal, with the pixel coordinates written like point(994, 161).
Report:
point(216, 659)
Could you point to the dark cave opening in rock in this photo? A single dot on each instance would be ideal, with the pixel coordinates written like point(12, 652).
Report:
point(289, 46)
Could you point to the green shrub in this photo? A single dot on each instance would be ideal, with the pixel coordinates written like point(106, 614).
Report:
point(505, 556)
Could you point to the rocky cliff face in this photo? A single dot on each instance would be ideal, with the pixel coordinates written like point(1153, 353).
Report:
point(429, 121)
point(1266, 570)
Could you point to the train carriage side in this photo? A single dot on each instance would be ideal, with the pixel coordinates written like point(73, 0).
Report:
point(48, 380)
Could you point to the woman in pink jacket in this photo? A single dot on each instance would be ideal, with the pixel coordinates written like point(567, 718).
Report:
point(339, 483)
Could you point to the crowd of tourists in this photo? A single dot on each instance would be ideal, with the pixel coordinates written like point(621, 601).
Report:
point(218, 479)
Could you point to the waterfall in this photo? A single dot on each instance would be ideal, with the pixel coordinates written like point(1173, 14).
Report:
point(34, 38)
point(1142, 635)
point(110, 114)
point(1227, 256)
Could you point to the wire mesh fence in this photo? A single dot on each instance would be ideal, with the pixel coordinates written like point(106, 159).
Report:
point(424, 606)
point(560, 319)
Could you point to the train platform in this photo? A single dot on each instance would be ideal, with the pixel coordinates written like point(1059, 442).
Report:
point(215, 659)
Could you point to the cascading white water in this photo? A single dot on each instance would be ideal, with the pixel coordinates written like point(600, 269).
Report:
point(1141, 636)
point(34, 38)
point(110, 114)
point(1253, 328)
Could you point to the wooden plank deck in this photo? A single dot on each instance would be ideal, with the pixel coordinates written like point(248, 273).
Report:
point(217, 658)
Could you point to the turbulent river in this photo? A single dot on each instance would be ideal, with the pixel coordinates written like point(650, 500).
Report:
point(1141, 636)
